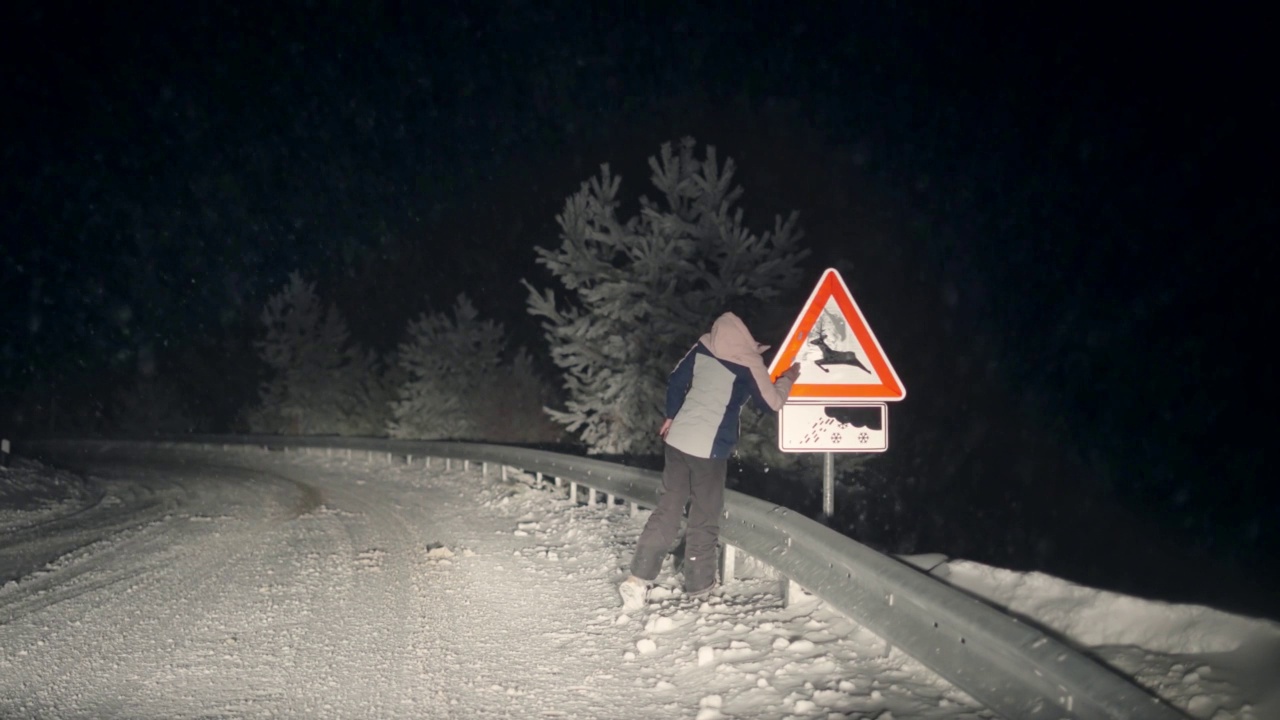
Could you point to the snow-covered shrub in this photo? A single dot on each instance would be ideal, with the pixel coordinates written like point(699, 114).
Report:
point(637, 293)
point(512, 405)
point(320, 382)
point(367, 392)
point(446, 360)
point(456, 384)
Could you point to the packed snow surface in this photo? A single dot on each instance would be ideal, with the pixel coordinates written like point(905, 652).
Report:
point(226, 584)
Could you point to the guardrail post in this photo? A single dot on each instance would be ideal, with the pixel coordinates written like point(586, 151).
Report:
point(504, 472)
point(538, 480)
point(728, 562)
point(448, 463)
point(634, 509)
point(611, 500)
point(573, 493)
point(559, 482)
point(791, 592)
point(466, 464)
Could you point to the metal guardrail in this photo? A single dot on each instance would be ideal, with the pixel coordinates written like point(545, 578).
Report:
point(1015, 669)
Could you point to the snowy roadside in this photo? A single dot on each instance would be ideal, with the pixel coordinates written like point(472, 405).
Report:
point(1211, 664)
point(32, 493)
point(295, 584)
point(738, 654)
point(412, 592)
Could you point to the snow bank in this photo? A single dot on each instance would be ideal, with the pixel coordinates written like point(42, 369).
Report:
point(1095, 618)
point(31, 492)
point(1211, 664)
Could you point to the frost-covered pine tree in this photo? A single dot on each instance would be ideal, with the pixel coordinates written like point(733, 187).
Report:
point(367, 393)
point(447, 362)
point(637, 292)
point(511, 409)
point(454, 383)
point(320, 383)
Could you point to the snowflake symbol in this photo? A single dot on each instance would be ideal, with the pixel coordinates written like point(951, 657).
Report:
point(835, 437)
point(863, 438)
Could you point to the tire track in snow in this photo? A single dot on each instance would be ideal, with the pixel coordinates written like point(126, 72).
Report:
point(125, 599)
point(119, 507)
point(86, 556)
point(88, 569)
point(379, 530)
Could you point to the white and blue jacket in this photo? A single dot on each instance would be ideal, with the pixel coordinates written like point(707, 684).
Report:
point(706, 392)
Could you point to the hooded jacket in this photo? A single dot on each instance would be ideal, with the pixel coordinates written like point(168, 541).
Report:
point(707, 389)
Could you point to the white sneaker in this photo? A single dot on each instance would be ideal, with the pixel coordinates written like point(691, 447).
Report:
point(633, 591)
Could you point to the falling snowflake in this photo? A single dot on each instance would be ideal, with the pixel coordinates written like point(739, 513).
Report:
point(864, 438)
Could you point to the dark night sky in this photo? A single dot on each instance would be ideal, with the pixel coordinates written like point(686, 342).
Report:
point(1073, 210)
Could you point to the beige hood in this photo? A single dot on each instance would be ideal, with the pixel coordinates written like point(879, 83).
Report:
point(730, 340)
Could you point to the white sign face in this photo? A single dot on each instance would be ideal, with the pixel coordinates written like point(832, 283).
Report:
point(833, 427)
point(832, 354)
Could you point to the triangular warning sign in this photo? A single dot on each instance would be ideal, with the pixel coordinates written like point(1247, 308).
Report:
point(838, 354)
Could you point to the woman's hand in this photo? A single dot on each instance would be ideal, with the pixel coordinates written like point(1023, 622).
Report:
point(792, 373)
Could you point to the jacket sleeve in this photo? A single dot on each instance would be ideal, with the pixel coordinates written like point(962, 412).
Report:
point(768, 395)
point(679, 382)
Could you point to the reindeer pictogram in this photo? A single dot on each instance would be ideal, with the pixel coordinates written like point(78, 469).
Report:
point(834, 357)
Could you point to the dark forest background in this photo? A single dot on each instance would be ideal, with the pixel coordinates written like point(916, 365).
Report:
point(1059, 221)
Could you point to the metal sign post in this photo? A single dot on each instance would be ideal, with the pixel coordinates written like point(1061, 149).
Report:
point(828, 485)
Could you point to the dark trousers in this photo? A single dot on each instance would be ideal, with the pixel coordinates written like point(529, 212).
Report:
point(700, 482)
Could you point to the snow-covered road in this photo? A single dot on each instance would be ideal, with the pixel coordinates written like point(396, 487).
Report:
point(247, 584)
